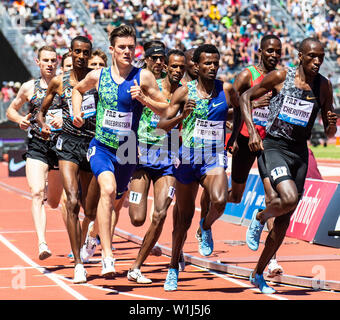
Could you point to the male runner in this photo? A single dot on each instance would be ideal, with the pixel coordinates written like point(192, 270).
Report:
point(298, 95)
point(242, 158)
point(40, 156)
point(72, 146)
point(204, 105)
point(123, 90)
point(156, 165)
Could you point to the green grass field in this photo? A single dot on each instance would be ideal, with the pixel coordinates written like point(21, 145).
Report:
point(329, 152)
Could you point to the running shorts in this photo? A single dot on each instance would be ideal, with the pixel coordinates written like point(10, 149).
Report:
point(43, 150)
point(74, 149)
point(285, 160)
point(104, 158)
point(194, 164)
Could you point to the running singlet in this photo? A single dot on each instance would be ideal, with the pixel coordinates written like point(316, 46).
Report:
point(293, 111)
point(260, 115)
point(34, 107)
point(88, 106)
point(147, 131)
point(206, 123)
point(118, 114)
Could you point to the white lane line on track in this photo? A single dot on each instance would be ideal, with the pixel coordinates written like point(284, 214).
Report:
point(240, 283)
point(112, 290)
point(41, 269)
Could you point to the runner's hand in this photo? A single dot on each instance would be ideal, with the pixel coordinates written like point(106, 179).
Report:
point(263, 101)
point(137, 93)
point(45, 131)
point(56, 122)
point(332, 118)
point(25, 122)
point(78, 120)
point(188, 108)
point(255, 143)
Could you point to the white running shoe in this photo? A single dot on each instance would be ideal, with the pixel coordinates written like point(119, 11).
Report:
point(44, 251)
point(88, 249)
point(274, 269)
point(79, 274)
point(137, 276)
point(108, 267)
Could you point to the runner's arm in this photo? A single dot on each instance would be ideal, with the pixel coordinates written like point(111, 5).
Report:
point(17, 103)
point(271, 82)
point(89, 82)
point(148, 93)
point(178, 101)
point(329, 117)
point(52, 90)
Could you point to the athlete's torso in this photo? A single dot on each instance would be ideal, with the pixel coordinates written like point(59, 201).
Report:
point(90, 99)
point(205, 125)
point(35, 105)
point(118, 114)
point(293, 111)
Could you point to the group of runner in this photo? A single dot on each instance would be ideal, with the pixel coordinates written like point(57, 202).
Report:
point(113, 130)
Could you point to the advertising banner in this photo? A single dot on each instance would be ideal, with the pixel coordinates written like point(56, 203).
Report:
point(16, 164)
point(307, 216)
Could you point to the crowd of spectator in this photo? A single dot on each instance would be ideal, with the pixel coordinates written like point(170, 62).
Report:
point(234, 26)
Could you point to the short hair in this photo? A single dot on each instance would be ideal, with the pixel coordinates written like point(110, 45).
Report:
point(175, 52)
point(304, 42)
point(100, 53)
point(63, 58)
point(268, 37)
point(46, 48)
point(81, 39)
point(153, 43)
point(124, 30)
point(204, 48)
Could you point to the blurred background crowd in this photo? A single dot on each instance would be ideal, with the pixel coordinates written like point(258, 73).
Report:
point(234, 26)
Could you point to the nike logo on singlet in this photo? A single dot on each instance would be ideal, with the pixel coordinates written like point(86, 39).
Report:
point(216, 104)
point(310, 98)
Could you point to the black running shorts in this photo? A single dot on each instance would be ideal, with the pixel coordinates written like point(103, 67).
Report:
point(285, 160)
point(243, 159)
point(43, 150)
point(74, 149)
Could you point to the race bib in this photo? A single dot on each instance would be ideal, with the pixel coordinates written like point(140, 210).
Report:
point(51, 114)
point(154, 120)
point(296, 111)
point(116, 121)
point(260, 116)
point(88, 106)
point(209, 130)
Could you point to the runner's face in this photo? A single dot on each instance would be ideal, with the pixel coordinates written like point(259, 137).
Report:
point(81, 53)
point(155, 63)
point(96, 62)
point(123, 51)
point(208, 65)
point(312, 57)
point(176, 68)
point(47, 63)
point(192, 68)
point(67, 64)
point(271, 53)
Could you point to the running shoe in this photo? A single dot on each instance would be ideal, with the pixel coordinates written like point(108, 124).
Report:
point(108, 267)
point(170, 283)
point(181, 263)
point(206, 246)
point(274, 269)
point(259, 282)
point(88, 249)
point(79, 274)
point(254, 232)
point(137, 276)
point(44, 251)
point(70, 255)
